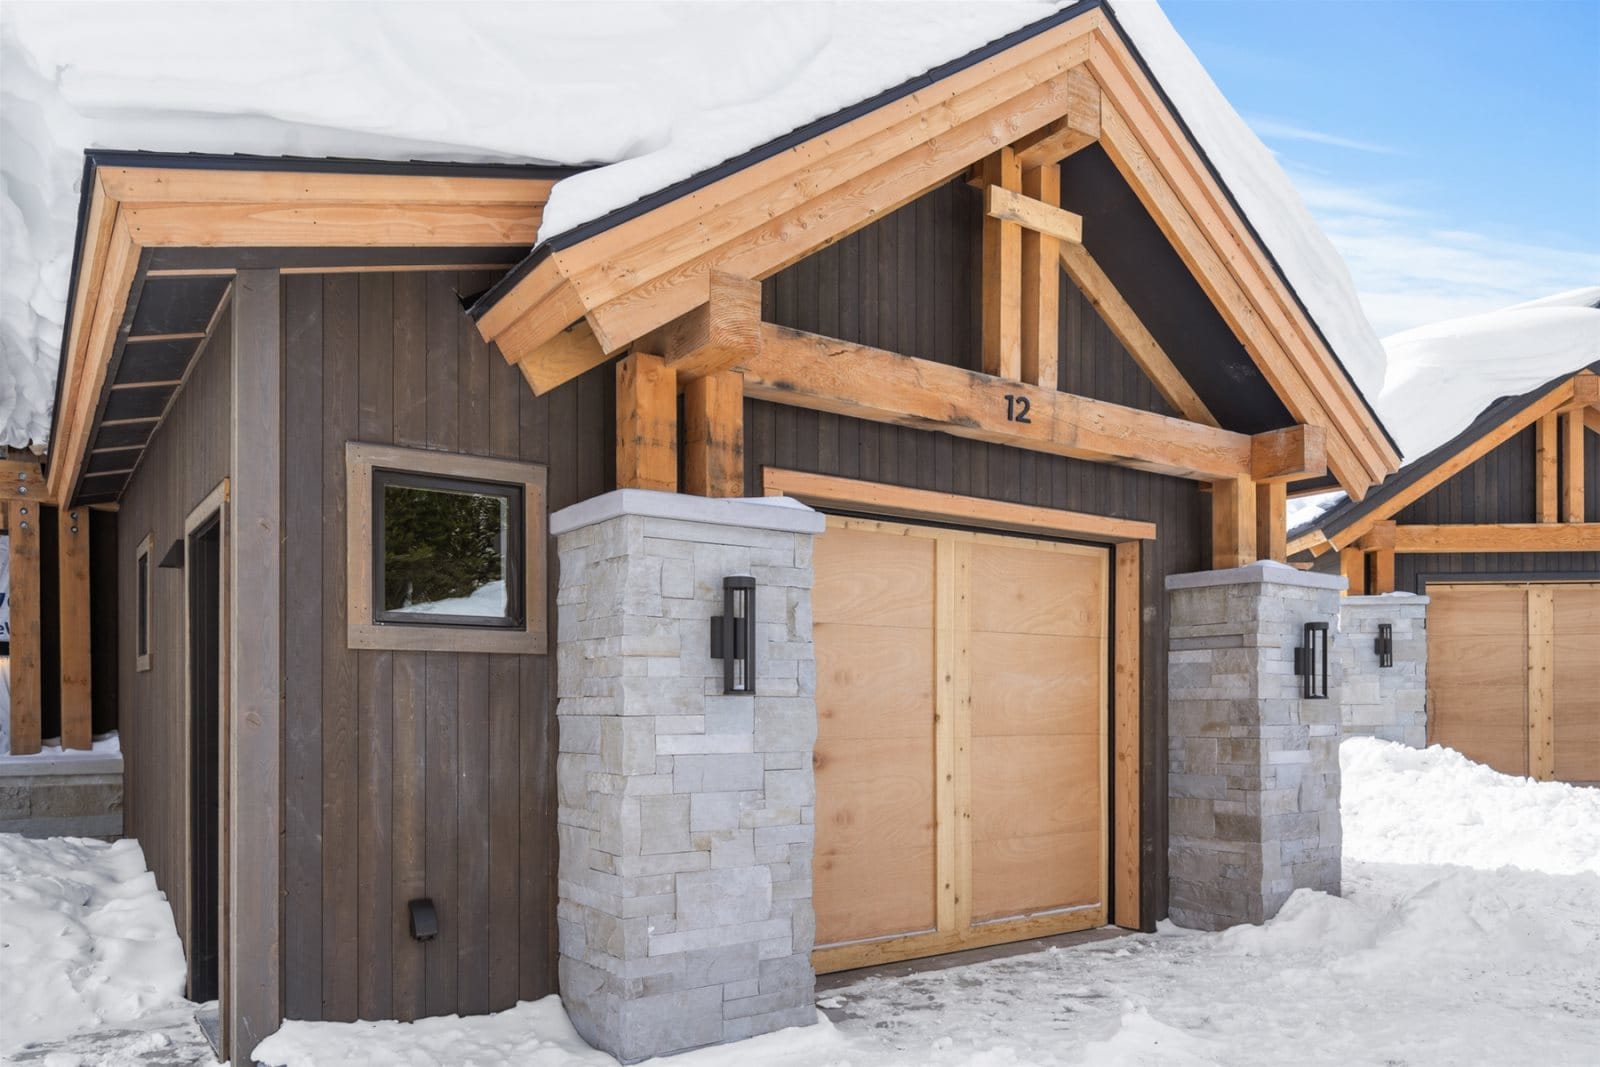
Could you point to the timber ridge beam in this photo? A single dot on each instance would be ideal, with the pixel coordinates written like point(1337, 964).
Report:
point(134, 209)
point(644, 271)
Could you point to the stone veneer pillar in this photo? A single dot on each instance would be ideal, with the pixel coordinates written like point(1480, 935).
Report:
point(1385, 702)
point(1254, 782)
point(686, 816)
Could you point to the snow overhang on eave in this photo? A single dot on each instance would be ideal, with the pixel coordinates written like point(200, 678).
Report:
point(589, 293)
point(152, 215)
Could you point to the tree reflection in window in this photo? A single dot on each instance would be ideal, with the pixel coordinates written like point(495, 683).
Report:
point(448, 551)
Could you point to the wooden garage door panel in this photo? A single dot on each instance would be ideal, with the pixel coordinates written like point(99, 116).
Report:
point(1576, 683)
point(895, 894)
point(1017, 876)
point(1036, 684)
point(1478, 611)
point(1038, 590)
point(1468, 662)
point(1028, 786)
point(873, 578)
point(1577, 609)
point(873, 681)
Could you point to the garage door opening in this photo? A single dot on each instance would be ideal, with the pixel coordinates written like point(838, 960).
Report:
point(963, 739)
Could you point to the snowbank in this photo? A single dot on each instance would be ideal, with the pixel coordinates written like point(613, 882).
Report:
point(1435, 806)
point(681, 88)
point(1443, 375)
point(86, 939)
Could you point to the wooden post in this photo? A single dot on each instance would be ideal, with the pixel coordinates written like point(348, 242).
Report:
point(26, 683)
point(1541, 691)
point(252, 1005)
point(1041, 285)
point(1353, 565)
point(1572, 466)
point(1233, 522)
point(1125, 908)
point(647, 424)
point(1002, 276)
point(72, 551)
point(1544, 470)
point(713, 435)
point(1272, 520)
point(1382, 570)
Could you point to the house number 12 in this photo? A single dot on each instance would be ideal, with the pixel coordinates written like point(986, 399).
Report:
point(1017, 408)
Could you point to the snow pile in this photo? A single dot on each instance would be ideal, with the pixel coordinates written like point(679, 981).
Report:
point(654, 93)
point(1435, 806)
point(86, 939)
point(1443, 375)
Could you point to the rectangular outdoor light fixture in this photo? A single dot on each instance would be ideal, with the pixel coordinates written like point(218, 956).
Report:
point(733, 634)
point(1311, 661)
point(1384, 645)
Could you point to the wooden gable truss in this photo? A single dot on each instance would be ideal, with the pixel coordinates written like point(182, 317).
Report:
point(1559, 418)
point(666, 283)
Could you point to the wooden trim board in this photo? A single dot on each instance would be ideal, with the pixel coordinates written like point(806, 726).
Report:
point(1501, 537)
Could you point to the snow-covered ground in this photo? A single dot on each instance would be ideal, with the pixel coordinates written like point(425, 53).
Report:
point(1468, 933)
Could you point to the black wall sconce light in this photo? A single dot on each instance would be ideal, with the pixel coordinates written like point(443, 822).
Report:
point(1311, 661)
point(1384, 644)
point(733, 634)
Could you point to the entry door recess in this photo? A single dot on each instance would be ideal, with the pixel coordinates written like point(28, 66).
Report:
point(204, 569)
point(962, 740)
point(1514, 676)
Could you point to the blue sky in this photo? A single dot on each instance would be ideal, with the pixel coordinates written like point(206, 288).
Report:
point(1451, 149)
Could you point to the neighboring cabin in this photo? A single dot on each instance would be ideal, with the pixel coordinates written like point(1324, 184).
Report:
point(1499, 526)
point(1004, 325)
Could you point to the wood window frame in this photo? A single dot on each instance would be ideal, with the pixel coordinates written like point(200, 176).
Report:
point(364, 631)
point(1124, 907)
point(143, 602)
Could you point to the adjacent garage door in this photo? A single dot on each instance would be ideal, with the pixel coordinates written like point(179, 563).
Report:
point(960, 757)
point(1514, 676)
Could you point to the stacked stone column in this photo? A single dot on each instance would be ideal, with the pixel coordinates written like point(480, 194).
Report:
point(1254, 767)
point(1385, 702)
point(686, 816)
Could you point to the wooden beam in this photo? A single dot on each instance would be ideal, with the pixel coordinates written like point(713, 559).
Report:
point(715, 335)
point(1382, 535)
point(825, 374)
point(1146, 351)
point(1033, 214)
point(1546, 485)
point(1541, 682)
point(876, 498)
point(191, 186)
point(21, 479)
point(568, 354)
point(1002, 276)
point(647, 424)
point(22, 525)
point(1586, 388)
point(713, 435)
point(1233, 523)
point(1572, 462)
point(1382, 570)
point(1353, 565)
point(1126, 695)
point(1272, 517)
point(1591, 418)
point(1077, 129)
point(1041, 286)
point(72, 553)
point(1501, 537)
point(1287, 454)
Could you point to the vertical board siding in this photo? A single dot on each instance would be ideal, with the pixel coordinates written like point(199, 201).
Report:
point(910, 283)
point(185, 460)
point(1497, 488)
point(414, 774)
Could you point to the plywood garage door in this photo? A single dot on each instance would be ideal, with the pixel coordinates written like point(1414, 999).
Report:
point(960, 759)
point(1514, 676)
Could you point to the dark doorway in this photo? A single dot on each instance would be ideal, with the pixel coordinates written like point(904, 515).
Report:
point(204, 567)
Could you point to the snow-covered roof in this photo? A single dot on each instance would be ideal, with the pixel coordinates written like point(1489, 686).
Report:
point(652, 93)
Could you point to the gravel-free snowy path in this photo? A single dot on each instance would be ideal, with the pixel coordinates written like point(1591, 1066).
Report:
point(1440, 952)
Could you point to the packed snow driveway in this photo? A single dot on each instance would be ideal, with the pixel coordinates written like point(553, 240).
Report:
point(1469, 933)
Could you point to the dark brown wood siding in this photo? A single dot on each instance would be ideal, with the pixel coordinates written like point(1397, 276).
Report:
point(910, 283)
point(413, 774)
point(1498, 487)
point(188, 456)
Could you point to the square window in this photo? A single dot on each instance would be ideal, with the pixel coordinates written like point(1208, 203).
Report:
point(448, 551)
point(445, 552)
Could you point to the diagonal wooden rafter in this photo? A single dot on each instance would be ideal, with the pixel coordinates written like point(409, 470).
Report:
point(1078, 128)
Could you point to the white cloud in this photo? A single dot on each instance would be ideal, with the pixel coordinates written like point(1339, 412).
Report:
point(1278, 130)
